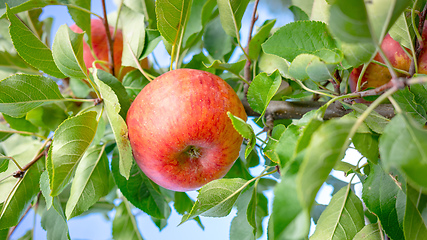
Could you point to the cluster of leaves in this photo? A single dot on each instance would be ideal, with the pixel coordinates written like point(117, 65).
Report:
point(64, 156)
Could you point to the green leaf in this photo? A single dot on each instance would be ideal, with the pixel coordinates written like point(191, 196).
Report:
point(270, 149)
point(54, 222)
point(152, 39)
point(349, 21)
point(306, 66)
point(48, 116)
point(367, 145)
point(216, 41)
point(269, 63)
point(194, 24)
point(81, 18)
point(183, 205)
point(404, 146)
point(240, 229)
point(342, 218)
point(140, 190)
point(299, 14)
point(24, 5)
point(89, 183)
point(288, 219)
point(355, 21)
point(133, 34)
point(413, 225)
point(118, 126)
point(118, 89)
point(369, 232)
point(216, 198)
point(12, 62)
point(262, 89)
point(79, 88)
point(231, 14)
point(374, 121)
point(357, 54)
point(291, 40)
point(70, 141)
point(134, 82)
point(45, 189)
point(21, 93)
point(124, 223)
point(320, 158)
point(68, 52)
point(259, 38)
point(20, 124)
point(22, 149)
point(172, 18)
point(286, 146)
point(409, 103)
point(30, 48)
point(234, 68)
point(20, 197)
point(379, 194)
point(245, 130)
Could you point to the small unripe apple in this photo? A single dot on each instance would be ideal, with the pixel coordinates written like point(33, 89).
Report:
point(100, 48)
point(179, 130)
point(377, 75)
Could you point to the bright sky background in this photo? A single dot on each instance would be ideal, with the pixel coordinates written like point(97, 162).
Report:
point(95, 226)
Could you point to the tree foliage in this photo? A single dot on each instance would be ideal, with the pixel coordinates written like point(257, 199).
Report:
point(64, 147)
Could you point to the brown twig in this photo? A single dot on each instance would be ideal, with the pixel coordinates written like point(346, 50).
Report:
point(45, 148)
point(419, 45)
point(295, 110)
point(247, 69)
point(110, 41)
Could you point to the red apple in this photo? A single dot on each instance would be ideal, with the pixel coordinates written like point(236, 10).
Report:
point(422, 59)
point(179, 130)
point(377, 75)
point(100, 48)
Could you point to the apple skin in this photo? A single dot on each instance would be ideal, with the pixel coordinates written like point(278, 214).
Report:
point(179, 130)
point(376, 75)
point(100, 48)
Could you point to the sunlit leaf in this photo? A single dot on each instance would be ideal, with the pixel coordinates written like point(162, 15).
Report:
point(245, 130)
point(118, 126)
point(380, 196)
point(133, 35)
point(369, 232)
point(20, 197)
point(216, 198)
point(320, 158)
point(231, 14)
point(71, 140)
point(67, 51)
point(124, 223)
point(54, 222)
point(342, 218)
point(89, 183)
point(30, 48)
point(140, 190)
point(404, 146)
point(300, 37)
point(21, 93)
point(262, 89)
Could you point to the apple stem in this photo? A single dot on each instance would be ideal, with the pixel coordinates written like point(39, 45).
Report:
point(193, 151)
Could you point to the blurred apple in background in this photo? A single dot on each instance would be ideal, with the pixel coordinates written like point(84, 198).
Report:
point(100, 48)
point(377, 75)
point(180, 133)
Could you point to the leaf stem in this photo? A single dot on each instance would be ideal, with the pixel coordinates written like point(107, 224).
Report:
point(42, 151)
point(311, 90)
point(23, 132)
point(13, 160)
point(132, 218)
point(137, 63)
point(80, 8)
